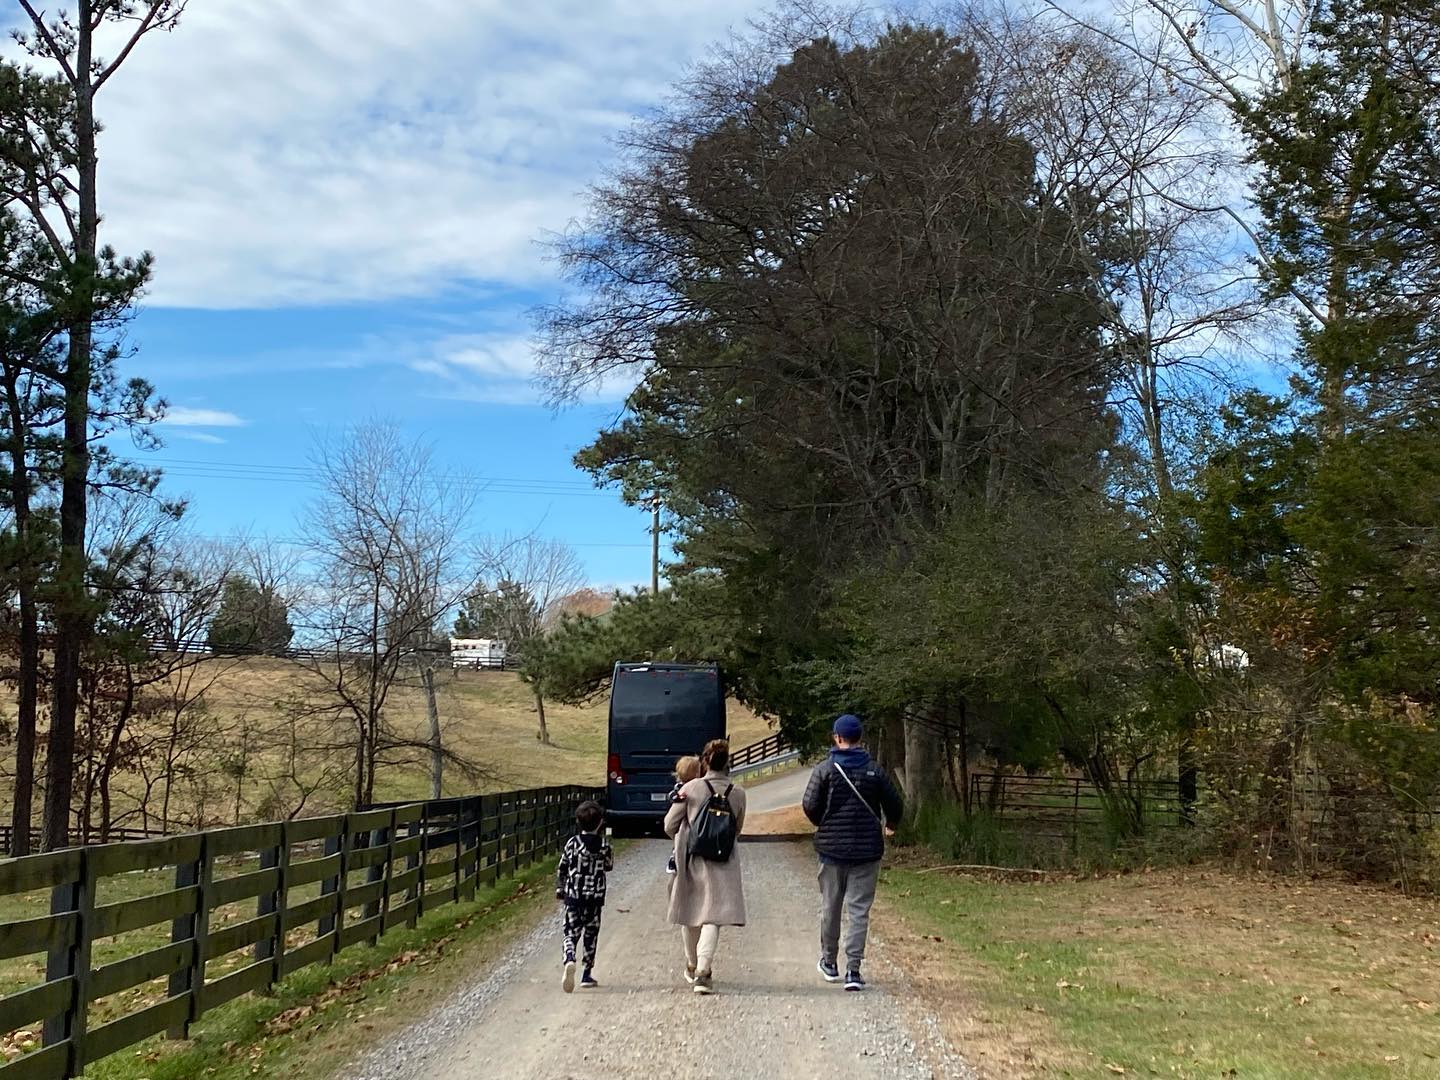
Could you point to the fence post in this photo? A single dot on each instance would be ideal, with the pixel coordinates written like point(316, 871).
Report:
point(384, 835)
point(73, 962)
point(272, 948)
point(195, 928)
point(524, 835)
point(420, 858)
point(336, 885)
point(459, 874)
point(510, 839)
point(552, 819)
point(1075, 819)
point(470, 837)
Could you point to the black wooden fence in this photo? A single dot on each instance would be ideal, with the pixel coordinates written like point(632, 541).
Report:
point(302, 890)
point(766, 748)
point(200, 647)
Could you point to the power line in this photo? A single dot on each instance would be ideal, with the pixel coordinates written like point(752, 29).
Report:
point(197, 469)
point(300, 541)
point(310, 470)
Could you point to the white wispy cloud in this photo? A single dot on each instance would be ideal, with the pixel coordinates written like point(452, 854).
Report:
point(494, 368)
point(186, 416)
point(273, 153)
point(199, 436)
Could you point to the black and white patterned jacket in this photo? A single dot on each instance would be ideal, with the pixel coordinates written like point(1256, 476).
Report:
point(580, 877)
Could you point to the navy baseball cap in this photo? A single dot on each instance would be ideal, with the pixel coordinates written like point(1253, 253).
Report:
point(848, 727)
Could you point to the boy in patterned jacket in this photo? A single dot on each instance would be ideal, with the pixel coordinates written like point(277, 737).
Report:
point(580, 884)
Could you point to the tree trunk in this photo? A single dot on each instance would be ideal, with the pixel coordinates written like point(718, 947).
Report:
point(963, 738)
point(887, 746)
point(540, 712)
point(361, 757)
point(112, 758)
point(437, 756)
point(924, 765)
point(71, 607)
point(1152, 412)
point(372, 760)
point(28, 676)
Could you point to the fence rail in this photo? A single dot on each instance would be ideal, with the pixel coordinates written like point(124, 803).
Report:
point(771, 746)
point(306, 888)
point(201, 647)
point(75, 839)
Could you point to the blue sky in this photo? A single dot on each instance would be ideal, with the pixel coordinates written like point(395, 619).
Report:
point(346, 203)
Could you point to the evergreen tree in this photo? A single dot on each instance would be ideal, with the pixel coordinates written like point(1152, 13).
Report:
point(508, 613)
point(250, 619)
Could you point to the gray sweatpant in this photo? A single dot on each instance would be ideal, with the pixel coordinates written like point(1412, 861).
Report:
point(850, 886)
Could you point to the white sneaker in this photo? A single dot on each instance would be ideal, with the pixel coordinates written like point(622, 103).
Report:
point(568, 982)
point(689, 974)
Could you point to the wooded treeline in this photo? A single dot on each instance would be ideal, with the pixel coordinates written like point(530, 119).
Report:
point(1056, 394)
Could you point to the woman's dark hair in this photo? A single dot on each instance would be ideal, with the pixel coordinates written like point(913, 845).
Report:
point(589, 815)
point(717, 755)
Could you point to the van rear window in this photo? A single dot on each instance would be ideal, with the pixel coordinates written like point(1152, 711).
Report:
point(662, 699)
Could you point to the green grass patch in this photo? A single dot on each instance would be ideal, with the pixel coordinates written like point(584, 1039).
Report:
point(1191, 974)
point(322, 1017)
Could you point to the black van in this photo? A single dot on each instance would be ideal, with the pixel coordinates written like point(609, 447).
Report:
point(658, 713)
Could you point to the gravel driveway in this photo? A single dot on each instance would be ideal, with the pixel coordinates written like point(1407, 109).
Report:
point(772, 1015)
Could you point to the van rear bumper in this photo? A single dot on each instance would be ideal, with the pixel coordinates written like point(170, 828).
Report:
point(638, 815)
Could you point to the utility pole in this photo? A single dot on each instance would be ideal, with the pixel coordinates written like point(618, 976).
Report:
point(437, 756)
point(655, 545)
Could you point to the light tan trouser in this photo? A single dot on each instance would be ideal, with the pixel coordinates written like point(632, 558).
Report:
point(700, 942)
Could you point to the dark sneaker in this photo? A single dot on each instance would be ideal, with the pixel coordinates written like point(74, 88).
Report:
point(670, 866)
point(567, 983)
point(587, 981)
point(702, 983)
point(828, 971)
point(853, 981)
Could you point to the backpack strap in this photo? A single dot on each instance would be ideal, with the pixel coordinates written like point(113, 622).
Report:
point(844, 776)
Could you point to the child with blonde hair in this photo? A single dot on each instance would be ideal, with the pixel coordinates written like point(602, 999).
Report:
point(686, 769)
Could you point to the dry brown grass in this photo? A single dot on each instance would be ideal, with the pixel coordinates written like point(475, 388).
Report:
point(1173, 973)
point(486, 717)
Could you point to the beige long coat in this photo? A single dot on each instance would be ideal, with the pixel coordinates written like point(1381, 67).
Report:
point(704, 892)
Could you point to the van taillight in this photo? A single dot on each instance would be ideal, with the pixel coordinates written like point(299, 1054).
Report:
point(617, 774)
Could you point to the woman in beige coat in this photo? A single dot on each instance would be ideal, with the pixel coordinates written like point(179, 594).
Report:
point(705, 895)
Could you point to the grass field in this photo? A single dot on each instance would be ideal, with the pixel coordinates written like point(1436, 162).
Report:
point(486, 715)
point(1174, 973)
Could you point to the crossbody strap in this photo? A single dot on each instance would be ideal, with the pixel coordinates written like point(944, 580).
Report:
point(853, 788)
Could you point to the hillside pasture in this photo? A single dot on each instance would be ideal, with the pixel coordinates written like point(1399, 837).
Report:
point(262, 746)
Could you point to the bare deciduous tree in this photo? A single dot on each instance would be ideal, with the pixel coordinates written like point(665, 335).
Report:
point(387, 541)
point(1151, 157)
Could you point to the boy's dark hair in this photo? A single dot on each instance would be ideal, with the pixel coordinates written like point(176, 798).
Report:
point(589, 815)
